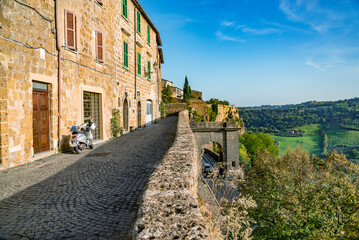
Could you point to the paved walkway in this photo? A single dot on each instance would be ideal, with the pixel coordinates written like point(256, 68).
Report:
point(94, 197)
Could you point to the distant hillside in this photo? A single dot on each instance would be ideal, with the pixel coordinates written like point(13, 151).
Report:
point(319, 127)
point(276, 119)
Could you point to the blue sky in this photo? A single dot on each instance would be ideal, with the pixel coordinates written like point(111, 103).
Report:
point(259, 52)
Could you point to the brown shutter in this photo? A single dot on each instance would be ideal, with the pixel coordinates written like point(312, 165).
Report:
point(70, 30)
point(99, 46)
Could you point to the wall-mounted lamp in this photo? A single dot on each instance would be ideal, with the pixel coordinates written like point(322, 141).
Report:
point(155, 67)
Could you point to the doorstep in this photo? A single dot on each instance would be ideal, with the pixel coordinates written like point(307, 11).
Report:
point(42, 155)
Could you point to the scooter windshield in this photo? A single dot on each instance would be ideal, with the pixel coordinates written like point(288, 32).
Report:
point(73, 128)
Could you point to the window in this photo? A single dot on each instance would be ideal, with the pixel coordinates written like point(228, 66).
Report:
point(138, 22)
point(124, 8)
point(149, 69)
point(70, 30)
point(125, 54)
point(99, 47)
point(148, 34)
point(139, 64)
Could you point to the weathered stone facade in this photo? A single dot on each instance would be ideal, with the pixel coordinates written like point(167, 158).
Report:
point(199, 106)
point(29, 53)
point(197, 94)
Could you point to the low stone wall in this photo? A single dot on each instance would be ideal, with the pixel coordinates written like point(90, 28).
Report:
point(174, 108)
point(199, 106)
point(169, 209)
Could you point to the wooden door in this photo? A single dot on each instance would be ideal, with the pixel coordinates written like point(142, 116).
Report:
point(139, 120)
point(41, 133)
point(125, 115)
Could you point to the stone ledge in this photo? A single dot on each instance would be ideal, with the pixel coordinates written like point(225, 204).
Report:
point(169, 209)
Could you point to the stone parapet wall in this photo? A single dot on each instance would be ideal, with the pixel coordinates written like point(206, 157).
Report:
point(169, 209)
point(173, 108)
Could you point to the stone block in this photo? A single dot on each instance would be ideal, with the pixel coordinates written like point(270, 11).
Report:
point(3, 116)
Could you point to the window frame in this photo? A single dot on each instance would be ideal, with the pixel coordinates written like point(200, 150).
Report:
point(74, 30)
point(139, 65)
point(125, 54)
point(97, 46)
point(148, 34)
point(124, 9)
point(138, 21)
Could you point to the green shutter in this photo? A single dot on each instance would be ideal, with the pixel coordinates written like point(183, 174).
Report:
point(138, 22)
point(149, 70)
point(148, 34)
point(124, 8)
point(139, 64)
point(125, 54)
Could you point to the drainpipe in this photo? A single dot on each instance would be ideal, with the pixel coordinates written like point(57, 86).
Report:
point(158, 83)
point(58, 71)
point(135, 33)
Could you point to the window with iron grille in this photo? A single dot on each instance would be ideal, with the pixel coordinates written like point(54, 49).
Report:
point(92, 109)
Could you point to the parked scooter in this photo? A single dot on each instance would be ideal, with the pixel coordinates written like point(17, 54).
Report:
point(82, 136)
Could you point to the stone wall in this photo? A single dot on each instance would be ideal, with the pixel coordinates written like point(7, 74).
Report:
point(199, 106)
point(174, 108)
point(197, 94)
point(27, 53)
point(169, 209)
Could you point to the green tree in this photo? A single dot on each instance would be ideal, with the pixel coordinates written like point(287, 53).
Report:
point(255, 142)
point(302, 198)
point(186, 89)
point(167, 95)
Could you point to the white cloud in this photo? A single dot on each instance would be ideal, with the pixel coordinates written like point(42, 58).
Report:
point(309, 62)
point(228, 38)
point(228, 23)
point(309, 12)
point(264, 31)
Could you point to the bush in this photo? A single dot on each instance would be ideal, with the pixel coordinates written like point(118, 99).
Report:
point(116, 122)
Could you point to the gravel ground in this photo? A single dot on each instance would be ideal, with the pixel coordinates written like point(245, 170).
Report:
point(94, 195)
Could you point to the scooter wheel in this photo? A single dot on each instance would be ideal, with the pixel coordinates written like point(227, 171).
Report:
point(77, 150)
point(91, 146)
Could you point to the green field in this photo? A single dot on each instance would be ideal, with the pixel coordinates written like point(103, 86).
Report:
point(339, 136)
point(310, 142)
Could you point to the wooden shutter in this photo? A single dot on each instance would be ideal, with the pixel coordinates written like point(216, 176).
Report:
point(125, 54)
point(149, 69)
point(124, 8)
point(70, 30)
point(139, 64)
point(99, 47)
point(148, 34)
point(138, 22)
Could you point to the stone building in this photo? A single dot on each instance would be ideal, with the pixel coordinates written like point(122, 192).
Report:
point(165, 83)
point(64, 61)
point(177, 93)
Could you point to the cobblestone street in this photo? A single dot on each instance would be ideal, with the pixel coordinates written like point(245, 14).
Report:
point(94, 196)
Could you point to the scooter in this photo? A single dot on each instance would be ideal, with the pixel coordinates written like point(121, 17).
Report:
point(82, 136)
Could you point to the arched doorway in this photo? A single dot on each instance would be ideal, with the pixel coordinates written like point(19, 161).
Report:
point(139, 120)
point(212, 154)
point(125, 115)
